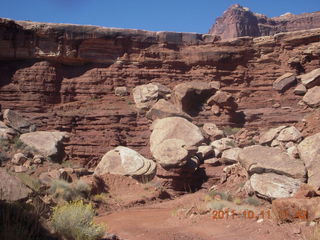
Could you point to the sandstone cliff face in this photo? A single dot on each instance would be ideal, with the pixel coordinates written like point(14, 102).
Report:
point(239, 21)
point(63, 77)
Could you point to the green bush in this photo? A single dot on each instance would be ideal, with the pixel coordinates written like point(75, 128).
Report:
point(62, 190)
point(230, 131)
point(31, 182)
point(74, 221)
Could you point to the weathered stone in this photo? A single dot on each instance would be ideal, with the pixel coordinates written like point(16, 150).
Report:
point(270, 135)
point(49, 144)
point(6, 133)
point(311, 79)
point(271, 185)
point(300, 90)
point(215, 85)
point(38, 159)
point(121, 91)
point(146, 95)
point(231, 155)
point(309, 150)
point(223, 144)
point(293, 152)
point(220, 98)
point(205, 152)
point(125, 161)
point(171, 153)
point(19, 159)
point(213, 131)
point(17, 122)
point(312, 97)
point(189, 96)
point(259, 159)
point(175, 127)
point(289, 134)
point(212, 161)
point(164, 109)
point(285, 81)
point(11, 188)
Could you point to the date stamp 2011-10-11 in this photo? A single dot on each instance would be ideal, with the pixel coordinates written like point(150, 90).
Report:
point(263, 214)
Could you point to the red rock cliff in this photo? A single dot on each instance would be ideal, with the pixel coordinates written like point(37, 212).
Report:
point(239, 21)
point(63, 77)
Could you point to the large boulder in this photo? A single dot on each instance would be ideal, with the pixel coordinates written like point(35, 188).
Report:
point(127, 162)
point(190, 96)
point(312, 97)
point(259, 159)
point(223, 100)
point(171, 153)
point(49, 144)
point(174, 141)
point(285, 81)
point(272, 186)
point(146, 95)
point(289, 134)
point(270, 135)
point(17, 122)
point(11, 188)
point(164, 109)
point(309, 150)
point(311, 79)
point(175, 127)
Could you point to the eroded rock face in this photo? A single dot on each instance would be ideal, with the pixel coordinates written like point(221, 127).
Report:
point(271, 185)
point(49, 144)
point(12, 189)
point(259, 159)
point(309, 150)
point(270, 135)
point(127, 162)
point(147, 95)
point(66, 75)
point(190, 96)
point(239, 21)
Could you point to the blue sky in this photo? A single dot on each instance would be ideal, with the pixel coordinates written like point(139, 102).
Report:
point(155, 15)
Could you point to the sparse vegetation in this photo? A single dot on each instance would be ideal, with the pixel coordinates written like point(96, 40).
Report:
point(252, 201)
point(74, 221)
point(230, 131)
point(223, 195)
point(64, 191)
point(30, 181)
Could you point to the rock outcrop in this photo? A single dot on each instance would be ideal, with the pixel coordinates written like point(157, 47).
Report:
point(309, 150)
point(239, 21)
point(64, 77)
point(260, 159)
point(49, 144)
point(127, 162)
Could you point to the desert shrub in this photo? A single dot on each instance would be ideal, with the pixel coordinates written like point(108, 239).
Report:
point(74, 221)
point(30, 181)
point(62, 190)
point(17, 143)
point(223, 195)
point(230, 131)
point(252, 201)
point(19, 221)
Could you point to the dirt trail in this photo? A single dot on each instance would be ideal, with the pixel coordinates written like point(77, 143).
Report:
point(159, 222)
